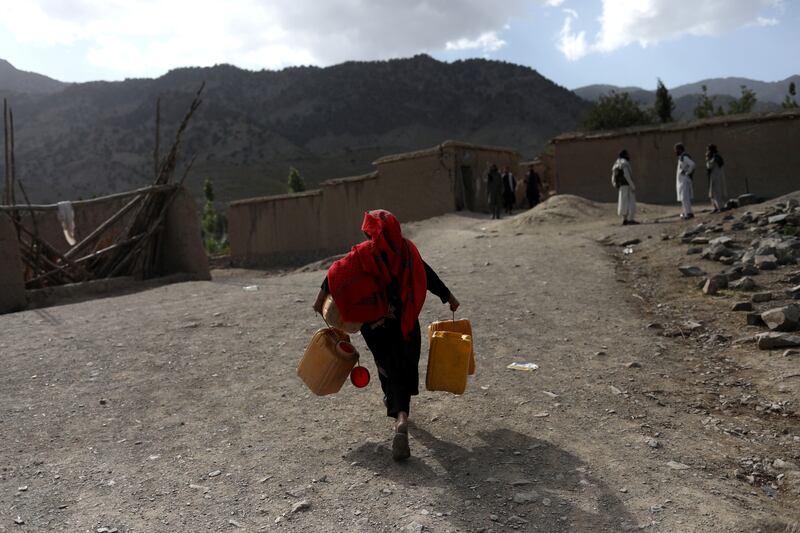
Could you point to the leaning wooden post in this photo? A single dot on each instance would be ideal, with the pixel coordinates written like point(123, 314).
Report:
point(6, 199)
point(158, 139)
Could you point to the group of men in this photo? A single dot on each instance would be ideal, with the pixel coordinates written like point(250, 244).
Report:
point(502, 189)
point(622, 179)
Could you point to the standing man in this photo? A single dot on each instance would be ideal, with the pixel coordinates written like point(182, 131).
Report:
point(622, 179)
point(509, 190)
point(717, 188)
point(683, 181)
point(533, 188)
point(494, 186)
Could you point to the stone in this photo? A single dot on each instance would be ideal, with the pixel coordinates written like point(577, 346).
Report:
point(634, 364)
point(774, 339)
point(766, 262)
point(778, 219)
point(749, 270)
point(525, 497)
point(760, 297)
point(714, 284)
point(794, 292)
point(723, 240)
point(716, 251)
point(691, 271)
point(653, 443)
point(215, 473)
point(754, 319)
point(742, 306)
point(699, 240)
point(694, 250)
point(791, 353)
point(747, 199)
point(414, 527)
point(301, 506)
point(515, 520)
point(743, 284)
point(631, 242)
point(677, 466)
point(786, 318)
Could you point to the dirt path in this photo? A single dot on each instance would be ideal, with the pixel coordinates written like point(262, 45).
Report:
point(178, 408)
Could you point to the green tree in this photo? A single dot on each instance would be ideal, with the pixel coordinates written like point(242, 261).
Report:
point(296, 183)
point(789, 102)
point(213, 225)
point(664, 105)
point(705, 107)
point(616, 110)
point(744, 104)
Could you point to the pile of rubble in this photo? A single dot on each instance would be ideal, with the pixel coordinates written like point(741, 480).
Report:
point(755, 246)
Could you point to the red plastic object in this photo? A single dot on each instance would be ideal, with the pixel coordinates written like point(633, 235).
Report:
point(359, 376)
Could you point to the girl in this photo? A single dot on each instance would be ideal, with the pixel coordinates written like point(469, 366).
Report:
point(382, 283)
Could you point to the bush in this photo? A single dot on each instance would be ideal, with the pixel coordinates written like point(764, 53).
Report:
point(296, 183)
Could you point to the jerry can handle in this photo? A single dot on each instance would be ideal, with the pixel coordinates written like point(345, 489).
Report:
point(334, 330)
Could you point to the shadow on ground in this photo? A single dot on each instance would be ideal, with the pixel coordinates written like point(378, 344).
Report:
point(509, 480)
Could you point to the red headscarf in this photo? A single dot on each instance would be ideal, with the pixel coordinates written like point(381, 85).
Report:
point(360, 280)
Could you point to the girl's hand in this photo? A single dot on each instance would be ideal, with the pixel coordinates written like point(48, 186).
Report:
point(453, 301)
point(320, 301)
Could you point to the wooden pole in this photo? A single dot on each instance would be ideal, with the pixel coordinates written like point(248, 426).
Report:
point(156, 155)
point(79, 203)
point(13, 173)
point(6, 198)
point(101, 228)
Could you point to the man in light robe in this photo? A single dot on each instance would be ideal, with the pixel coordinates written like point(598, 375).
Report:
point(622, 179)
point(683, 181)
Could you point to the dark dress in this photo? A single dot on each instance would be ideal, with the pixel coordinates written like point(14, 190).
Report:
point(396, 357)
point(533, 186)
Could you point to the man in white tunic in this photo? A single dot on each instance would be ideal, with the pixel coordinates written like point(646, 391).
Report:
point(683, 181)
point(622, 179)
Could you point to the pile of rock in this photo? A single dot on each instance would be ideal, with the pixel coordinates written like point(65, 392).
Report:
point(752, 244)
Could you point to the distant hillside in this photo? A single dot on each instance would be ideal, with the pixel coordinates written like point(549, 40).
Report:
point(686, 97)
point(13, 80)
point(94, 138)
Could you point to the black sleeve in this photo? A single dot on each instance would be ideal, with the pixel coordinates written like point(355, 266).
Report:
point(435, 285)
point(325, 285)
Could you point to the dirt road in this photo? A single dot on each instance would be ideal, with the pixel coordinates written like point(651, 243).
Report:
point(178, 408)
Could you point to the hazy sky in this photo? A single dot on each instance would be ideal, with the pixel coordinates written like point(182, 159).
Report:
point(573, 42)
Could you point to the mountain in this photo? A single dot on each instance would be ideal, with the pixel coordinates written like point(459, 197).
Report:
point(593, 93)
point(98, 137)
point(766, 91)
point(13, 80)
point(722, 90)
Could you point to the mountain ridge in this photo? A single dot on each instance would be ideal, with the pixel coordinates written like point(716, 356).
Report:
point(97, 137)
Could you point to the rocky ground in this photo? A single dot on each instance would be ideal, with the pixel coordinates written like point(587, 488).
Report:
point(178, 409)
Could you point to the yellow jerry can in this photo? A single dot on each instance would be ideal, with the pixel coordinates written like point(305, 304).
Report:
point(327, 361)
point(462, 326)
point(448, 362)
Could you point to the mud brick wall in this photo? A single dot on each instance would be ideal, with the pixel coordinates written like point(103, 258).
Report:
point(760, 151)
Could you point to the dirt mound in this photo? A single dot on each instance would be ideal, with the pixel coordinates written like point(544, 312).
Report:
point(563, 208)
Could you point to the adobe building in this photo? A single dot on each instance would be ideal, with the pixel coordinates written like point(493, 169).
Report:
point(295, 228)
point(760, 151)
